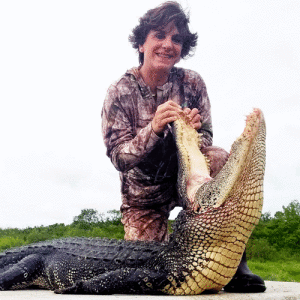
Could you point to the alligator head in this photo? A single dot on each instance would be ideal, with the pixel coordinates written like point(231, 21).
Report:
point(220, 213)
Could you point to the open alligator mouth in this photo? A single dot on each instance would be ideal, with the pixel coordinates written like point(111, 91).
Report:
point(195, 186)
point(221, 212)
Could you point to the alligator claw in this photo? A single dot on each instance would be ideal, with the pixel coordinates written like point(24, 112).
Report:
point(74, 289)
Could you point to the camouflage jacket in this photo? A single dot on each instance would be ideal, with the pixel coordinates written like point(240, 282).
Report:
point(147, 162)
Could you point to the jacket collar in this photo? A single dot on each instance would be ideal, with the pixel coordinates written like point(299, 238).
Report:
point(145, 90)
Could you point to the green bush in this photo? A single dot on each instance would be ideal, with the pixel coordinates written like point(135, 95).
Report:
point(10, 242)
point(89, 223)
point(283, 230)
point(261, 250)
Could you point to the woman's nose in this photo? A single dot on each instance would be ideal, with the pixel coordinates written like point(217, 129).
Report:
point(168, 43)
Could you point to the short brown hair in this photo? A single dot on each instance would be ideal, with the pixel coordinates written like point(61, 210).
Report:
point(159, 17)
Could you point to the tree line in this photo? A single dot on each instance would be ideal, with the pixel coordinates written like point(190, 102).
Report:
point(274, 238)
point(277, 237)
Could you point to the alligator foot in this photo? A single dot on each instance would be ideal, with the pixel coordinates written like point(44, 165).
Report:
point(77, 288)
point(124, 281)
point(21, 273)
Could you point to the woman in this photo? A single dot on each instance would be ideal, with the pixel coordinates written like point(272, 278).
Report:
point(137, 113)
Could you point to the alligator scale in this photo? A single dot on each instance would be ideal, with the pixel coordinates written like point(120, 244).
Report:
point(204, 250)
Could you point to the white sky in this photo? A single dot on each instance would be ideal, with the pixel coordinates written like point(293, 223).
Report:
point(58, 58)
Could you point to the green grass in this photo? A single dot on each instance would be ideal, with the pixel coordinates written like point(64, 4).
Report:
point(10, 238)
point(110, 227)
point(276, 270)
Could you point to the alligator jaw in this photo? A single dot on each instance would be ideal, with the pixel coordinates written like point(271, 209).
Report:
point(196, 188)
point(244, 171)
point(193, 166)
point(218, 221)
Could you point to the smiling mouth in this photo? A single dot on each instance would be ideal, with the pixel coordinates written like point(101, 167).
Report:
point(168, 56)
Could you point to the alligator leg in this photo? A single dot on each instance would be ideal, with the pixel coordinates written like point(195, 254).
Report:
point(124, 281)
point(22, 273)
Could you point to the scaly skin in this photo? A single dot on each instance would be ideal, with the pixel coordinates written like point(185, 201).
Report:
point(225, 209)
point(204, 250)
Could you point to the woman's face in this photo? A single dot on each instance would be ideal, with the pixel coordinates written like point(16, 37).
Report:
point(162, 48)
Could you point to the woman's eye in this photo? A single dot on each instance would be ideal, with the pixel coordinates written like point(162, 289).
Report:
point(177, 39)
point(160, 36)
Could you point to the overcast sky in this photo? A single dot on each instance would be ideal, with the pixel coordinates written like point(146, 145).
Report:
point(58, 58)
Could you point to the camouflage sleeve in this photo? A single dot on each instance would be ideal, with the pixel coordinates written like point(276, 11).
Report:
point(125, 147)
point(205, 111)
point(196, 93)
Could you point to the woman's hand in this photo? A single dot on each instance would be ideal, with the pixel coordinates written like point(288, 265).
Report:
point(194, 116)
point(166, 113)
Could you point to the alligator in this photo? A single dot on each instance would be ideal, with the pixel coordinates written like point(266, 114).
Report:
point(204, 250)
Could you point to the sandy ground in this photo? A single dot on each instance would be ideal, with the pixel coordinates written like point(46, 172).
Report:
point(275, 290)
